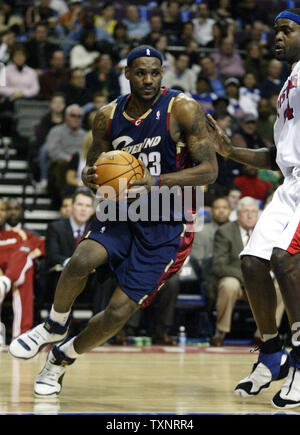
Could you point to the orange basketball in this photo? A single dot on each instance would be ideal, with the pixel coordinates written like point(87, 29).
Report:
point(116, 169)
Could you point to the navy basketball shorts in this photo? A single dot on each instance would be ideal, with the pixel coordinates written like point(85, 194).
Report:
point(143, 256)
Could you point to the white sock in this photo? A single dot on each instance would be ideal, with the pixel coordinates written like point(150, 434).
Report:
point(59, 317)
point(267, 337)
point(68, 349)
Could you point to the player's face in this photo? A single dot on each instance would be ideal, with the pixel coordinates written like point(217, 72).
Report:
point(145, 76)
point(2, 213)
point(287, 40)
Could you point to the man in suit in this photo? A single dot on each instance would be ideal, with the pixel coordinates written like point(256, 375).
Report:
point(229, 241)
point(63, 235)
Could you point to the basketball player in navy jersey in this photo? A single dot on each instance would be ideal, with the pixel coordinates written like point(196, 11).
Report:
point(150, 123)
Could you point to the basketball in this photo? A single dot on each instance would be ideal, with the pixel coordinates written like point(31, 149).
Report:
point(116, 169)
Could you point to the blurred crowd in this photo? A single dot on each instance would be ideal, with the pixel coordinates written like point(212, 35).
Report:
point(72, 54)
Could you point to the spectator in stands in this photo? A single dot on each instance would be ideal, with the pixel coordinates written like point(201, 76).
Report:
point(246, 136)
point(53, 118)
point(228, 62)
point(74, 17)
point(226, 268)
point(187, 34)
point(255, 62)
point(64, 234)
point(202, 250)
point(171, 21)
point(265, 125)
point(232, 86)
point(41, 12)
point(209, 70)
point(168, 59)
point(204, 94)
point(76, 91)
point(9, 19)
point(8, 40)
point(156, 28)
point(21, 80)
point(104, 77)
point(222, 15)
point(192, 49)
point(273, 82)
point(19, 250)
point(56, 76)
point(233, 194)
point(251, 185)
point(136, 29)
point(257, 33)
point(107, 18)
point(39, 49)
point(246, 12)
point(61, 143)
point(249, 94)
point(99, 100)
point(121, 40)
point(66, 207)
point(182, 75)
point(103, 38)
point(203, 25)
point(84, 54)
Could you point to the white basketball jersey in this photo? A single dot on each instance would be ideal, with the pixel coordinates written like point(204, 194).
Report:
point(287, 125)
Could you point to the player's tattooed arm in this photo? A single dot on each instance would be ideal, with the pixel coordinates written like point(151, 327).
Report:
point(99, 145)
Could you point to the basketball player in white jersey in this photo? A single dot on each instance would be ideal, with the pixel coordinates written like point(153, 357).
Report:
point(275, 241)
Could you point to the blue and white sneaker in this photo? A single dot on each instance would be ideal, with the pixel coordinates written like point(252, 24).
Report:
point(48, 383)
point(28, 344)
point(289, 394)
point(269, 367)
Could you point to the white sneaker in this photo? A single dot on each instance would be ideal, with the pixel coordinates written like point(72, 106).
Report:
point(5, 286)
point(28, 344)
point(49, 381)
point(289, 394)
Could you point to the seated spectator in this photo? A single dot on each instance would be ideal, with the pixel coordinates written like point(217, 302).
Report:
point(202, 250)
point(121, 40)
point(187, 34)
point(209, 70)
point(61, 143)
point(203, 25)
point(19, 250)
point(181, 75)
point(156, 25)
point(249, 94)
point(53, 118)
point(247, 136)
point(232, 86)
point(74, 17)
point(9, 18)
point(233, 194)
point(223, 16)
point(21, 80)
point(256, 32)
point(251, 185)
point(273, 82)
point(204, 94)
point(136, 29)
point(66, 207)
point(171, 21)
point(103, 78)
point(62, 237)
point(84, 54)
point(76, 91)
point(192, 49)
point(168, 59)
point(39, 49)
point(56, 76)
point(8, 40)
point(255, 62)
point(38, 13)
point(248, 12)
point(228, 62)
point(99, 100)
point(107, 18)
point(226, 271)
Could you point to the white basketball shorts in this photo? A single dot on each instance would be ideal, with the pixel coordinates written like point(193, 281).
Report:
point(279, 224)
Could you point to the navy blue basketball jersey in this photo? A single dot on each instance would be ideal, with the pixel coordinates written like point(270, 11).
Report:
point(148, 138)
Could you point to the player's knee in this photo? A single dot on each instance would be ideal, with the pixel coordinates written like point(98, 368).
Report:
point(282, 263)
point(79, 266)
point(249, 265)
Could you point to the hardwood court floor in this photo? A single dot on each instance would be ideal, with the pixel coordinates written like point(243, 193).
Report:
point(198, 380)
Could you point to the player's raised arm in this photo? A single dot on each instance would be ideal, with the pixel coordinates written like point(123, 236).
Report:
point(99, 145)
point(262, 158)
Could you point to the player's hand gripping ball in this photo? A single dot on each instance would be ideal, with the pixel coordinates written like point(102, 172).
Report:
point(115, 170)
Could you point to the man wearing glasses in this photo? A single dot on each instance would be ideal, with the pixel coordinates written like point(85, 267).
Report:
point(61, 143)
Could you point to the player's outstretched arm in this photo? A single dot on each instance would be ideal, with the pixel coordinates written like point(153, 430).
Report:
point(262, 158)
point(99, 145)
